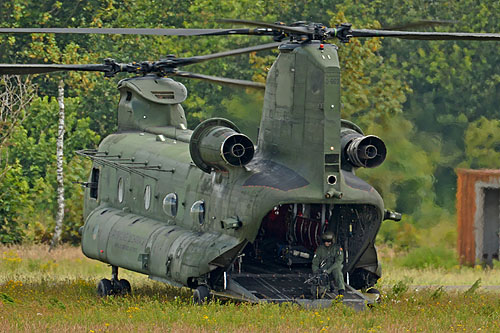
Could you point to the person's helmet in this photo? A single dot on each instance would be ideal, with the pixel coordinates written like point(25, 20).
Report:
point(328, 236)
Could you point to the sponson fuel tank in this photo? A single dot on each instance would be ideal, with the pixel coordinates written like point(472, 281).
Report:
point(152, 247)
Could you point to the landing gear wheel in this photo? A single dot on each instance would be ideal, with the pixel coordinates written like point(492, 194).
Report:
point(104, 288)
point(376, 294)
point(200, 295)
point(125, 287)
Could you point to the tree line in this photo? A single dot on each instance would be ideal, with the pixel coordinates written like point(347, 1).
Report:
point(435, 104)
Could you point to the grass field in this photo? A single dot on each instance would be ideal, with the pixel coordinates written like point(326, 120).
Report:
point(41, 291)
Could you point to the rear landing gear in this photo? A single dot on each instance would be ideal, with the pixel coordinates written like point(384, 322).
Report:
point(200, 295)
point(114, 286)
point(374, 294)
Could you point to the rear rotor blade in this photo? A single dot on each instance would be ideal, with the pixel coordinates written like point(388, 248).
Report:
point(12, 69)
point(143, 31)
point(124, 31)
point(294, 30)
point(197, 59)
point(425, 35)
point(221, 80)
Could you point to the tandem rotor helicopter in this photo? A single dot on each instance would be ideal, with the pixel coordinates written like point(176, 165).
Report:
point(211, 210)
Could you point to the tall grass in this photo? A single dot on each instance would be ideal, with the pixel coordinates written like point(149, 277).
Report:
point(56, 292)
point(432, 266)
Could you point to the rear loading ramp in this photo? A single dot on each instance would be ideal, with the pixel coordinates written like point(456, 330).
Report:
point(280, 288)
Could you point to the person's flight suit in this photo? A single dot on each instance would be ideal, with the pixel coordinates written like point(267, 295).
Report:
point(330, 260)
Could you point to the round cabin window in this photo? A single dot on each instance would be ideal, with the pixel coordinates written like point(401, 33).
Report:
point(147, 197)
point(198, 211)
point(170, 204)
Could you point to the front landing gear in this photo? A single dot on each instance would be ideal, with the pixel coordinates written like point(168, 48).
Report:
point(200, 295)
point(114, 286)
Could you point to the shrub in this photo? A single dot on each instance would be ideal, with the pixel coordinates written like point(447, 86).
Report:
point(425, 257)
point(400, 235)
point(13, 195)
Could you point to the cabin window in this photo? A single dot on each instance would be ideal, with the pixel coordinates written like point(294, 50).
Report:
point(147, 197)
point(120, 190)
point(198, 211)
point(170, 204)
point(94, 183)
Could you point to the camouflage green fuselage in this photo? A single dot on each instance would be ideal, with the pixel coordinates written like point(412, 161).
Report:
point(129, 221)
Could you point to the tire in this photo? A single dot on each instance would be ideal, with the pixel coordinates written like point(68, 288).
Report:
point(125, 287)
point(376, 292)
point(200, 295)
point(104, 288)
point(373, 291)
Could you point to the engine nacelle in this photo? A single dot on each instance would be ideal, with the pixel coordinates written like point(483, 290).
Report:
point(362, 151)
point(217, 143)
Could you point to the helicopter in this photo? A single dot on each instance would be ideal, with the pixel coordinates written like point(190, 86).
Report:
point(209, 209)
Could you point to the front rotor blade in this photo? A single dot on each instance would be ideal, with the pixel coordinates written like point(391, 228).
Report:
point(295, 30)
point(197, 59)
point(425, 35)
point(126, 31)
point(221, 80)
point(15, 69)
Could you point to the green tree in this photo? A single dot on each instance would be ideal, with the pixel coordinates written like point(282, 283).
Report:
point(453, 82)
point(422, 98)
point(15, 96)
point(482, 144)
point(34, 147)
point(13, 198)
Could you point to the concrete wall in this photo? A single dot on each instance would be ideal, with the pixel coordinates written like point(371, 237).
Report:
point(472, 224)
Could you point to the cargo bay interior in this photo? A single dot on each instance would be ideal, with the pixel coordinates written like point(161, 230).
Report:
point(279, 260)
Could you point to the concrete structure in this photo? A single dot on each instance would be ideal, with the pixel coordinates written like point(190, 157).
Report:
point(478, 214)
